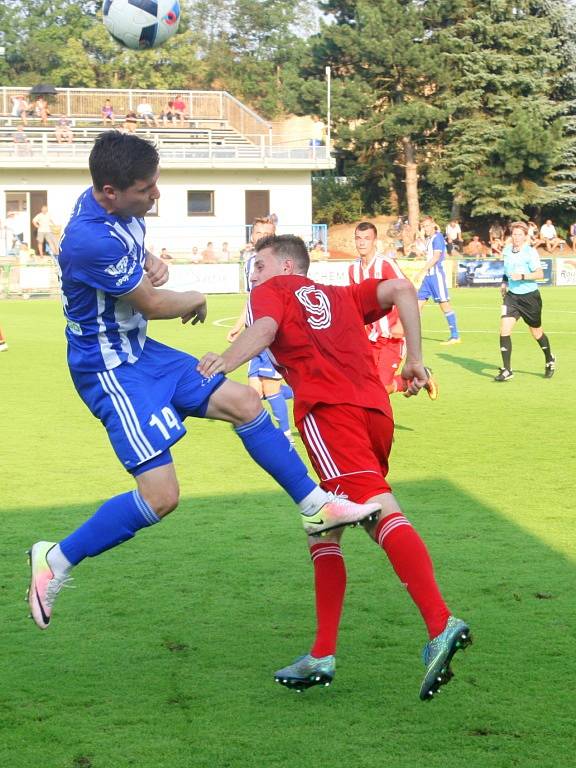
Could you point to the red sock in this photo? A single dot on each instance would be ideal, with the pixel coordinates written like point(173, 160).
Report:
point(411, 561)
point(330, 586)
point(401, 385)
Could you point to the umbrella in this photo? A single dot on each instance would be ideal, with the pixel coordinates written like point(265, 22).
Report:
point(43, 89)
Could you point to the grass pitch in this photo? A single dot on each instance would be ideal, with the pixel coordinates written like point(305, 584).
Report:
point(164, 654)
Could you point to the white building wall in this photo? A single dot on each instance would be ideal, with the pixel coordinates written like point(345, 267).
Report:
point(290, 198)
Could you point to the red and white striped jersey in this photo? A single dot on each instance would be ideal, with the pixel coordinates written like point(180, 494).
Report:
point(380, 268)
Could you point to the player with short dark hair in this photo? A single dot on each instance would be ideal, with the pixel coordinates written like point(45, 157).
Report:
point(522, 300)
point(386, 336)
point(316, 336)
point(141, 390)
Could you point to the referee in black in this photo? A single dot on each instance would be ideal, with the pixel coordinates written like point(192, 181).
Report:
point(522, 299)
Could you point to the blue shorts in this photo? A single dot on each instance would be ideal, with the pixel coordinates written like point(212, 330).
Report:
point(261, 366)
point(142, 405)
point(434, 287)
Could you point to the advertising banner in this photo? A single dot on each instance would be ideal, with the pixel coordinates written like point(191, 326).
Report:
point(566, 271)
point(206, 278)
point(483, 272)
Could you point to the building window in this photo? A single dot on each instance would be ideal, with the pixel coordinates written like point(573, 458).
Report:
point(200, 203)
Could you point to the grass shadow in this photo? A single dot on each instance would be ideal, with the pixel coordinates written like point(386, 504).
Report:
point(169, 643)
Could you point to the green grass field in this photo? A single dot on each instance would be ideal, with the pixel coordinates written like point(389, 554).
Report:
point(163, 655)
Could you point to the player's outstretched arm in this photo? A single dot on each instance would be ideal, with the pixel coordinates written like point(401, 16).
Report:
point(402, 294)
point(249, 344)
point(238, 326)
point(162, 304)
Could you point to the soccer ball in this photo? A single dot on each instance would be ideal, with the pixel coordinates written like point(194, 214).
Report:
point(141, 24)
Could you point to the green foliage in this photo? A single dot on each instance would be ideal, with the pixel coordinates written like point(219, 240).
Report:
point(505, 135)
point(334, 202)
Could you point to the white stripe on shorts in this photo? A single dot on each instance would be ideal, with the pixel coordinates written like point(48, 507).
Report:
point(123, 407)
point(318, 447)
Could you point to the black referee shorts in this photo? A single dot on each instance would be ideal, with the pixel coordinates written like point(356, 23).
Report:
point(527, 306)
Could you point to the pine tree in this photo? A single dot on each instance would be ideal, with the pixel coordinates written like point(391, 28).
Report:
point(385, 73)
point(505, 134)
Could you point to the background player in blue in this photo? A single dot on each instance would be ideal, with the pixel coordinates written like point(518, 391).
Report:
point(522, 299)
point(434, 285)
point(262, 376)
point(142, 390)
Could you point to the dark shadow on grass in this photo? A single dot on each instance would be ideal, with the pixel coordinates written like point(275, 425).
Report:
point(478, 367)
point(196, 613)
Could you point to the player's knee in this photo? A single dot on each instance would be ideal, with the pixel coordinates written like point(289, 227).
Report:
point(248, 406)
point(164, 499)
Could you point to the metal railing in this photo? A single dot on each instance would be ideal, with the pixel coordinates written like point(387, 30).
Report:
point(88, 102)
point(42, 150)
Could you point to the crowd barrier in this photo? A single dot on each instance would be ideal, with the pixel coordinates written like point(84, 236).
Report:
point(41, 280)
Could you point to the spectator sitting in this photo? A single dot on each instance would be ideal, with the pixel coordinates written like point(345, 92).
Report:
point(107, 112)
point(63, 132)
point(532, 232)
point(41, 110)
point(21, 143)
point(209, 254)
point(453, 236)
point(196, 257)
point(20, 107)
point(145, 112)
point(164, 255)
point(224, 256)
point(573, 236)
point(167, 114)
point(549, 236)
point(130, 122)
point(179, 107)
point(476, 248)
point(496, 236)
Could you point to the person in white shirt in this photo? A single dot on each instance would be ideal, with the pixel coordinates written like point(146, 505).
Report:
point(146, 113)
point(453, 236)
point(549, 236)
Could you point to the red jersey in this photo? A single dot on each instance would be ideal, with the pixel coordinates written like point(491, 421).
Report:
point(380, 268)
point(321, 347)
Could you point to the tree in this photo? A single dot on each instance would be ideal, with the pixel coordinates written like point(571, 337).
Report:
point(505, 133)
point(385, 74)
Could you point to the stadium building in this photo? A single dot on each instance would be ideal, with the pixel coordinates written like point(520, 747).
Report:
point(221, 166)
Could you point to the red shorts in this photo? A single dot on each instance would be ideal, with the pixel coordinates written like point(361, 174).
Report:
point(388, 355)
point(349, 448)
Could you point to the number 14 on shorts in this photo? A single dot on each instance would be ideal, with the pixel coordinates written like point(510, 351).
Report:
point(168, 422)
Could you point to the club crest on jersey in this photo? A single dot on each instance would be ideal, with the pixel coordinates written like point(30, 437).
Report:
point(317, 306)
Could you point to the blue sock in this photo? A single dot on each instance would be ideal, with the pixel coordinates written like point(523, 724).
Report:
point(451, 320)
point(280, 410)
point(116, 521)
point(287, 392)
point(270, 449)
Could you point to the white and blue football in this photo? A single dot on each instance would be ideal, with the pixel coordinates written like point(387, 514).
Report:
point(140, 24)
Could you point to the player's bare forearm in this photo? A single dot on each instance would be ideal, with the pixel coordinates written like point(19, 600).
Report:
point(238, 326)
point(156, 270)
point(163, 304)
point(250, 343)
point(402, 294)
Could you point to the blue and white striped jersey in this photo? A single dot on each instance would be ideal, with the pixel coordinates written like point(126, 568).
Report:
point(101, 259)
point(436, 243)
